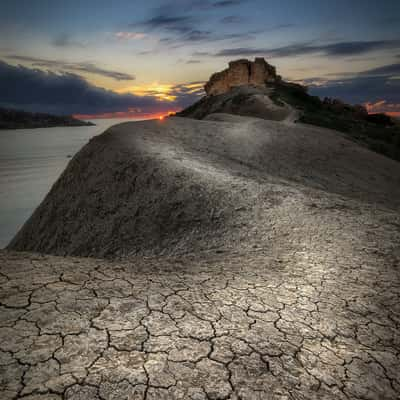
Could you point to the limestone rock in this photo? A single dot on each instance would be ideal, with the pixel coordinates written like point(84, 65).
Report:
point(241, 72)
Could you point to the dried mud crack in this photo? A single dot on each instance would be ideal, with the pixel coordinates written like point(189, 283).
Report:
point(254, 327)
point(248, 259)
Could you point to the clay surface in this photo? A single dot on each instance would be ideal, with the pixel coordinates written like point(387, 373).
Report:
point(251, 259)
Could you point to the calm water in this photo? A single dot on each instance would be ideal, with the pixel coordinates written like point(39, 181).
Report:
point(31, 160)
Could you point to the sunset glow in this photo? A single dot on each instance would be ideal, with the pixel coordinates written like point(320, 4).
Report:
point(105, 61)
point(383, 106)
point(127, 115)
point(157, 90)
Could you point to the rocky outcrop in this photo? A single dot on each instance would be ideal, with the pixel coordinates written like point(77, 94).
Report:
point(242, 72)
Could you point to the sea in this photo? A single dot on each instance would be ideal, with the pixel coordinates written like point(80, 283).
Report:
point(31, 160)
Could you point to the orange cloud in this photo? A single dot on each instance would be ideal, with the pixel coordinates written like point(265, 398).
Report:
point(194, 87)
point(160, 91)
point(164, 91)
point(169, 98)
point(382, 106)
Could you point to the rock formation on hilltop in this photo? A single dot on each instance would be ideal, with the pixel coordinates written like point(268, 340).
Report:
point(254, 89)
point(241, 72)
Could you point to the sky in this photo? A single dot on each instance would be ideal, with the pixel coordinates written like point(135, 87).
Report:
point(146, 58)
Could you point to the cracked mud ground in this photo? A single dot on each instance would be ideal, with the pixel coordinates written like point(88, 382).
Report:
point(294, 327)
point(294, 294)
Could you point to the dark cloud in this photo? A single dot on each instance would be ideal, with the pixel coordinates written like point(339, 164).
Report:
point(334, 49)
point(240, 51)
point(180, 29)
point(232, 19)
point(209, 5)
point(226, 3)
point(197, 35)
point(64, 40)
point(361, 58)
point(351, 48)
point(281, 26)
point(370, 86)
point(361, 89)
point(389, 71)
point(67, 93)
point(169, 22)
point(73, 66)
point(386, 70)
point(182, 25)
point(201, 53)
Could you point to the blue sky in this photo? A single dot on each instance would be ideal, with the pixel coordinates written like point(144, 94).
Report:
point(154, 55)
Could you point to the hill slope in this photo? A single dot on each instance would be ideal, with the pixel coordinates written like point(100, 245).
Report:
point(281, 100)
point(184, 185)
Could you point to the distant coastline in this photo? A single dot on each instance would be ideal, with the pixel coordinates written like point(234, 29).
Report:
point(17, 119)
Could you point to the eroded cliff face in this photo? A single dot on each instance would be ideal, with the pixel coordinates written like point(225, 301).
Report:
point(241, 72)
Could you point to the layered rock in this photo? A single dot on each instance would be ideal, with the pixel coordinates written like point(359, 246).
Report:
point(239, 73)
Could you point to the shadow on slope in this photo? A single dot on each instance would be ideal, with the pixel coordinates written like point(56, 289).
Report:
point(250, 101)
point(182, 185)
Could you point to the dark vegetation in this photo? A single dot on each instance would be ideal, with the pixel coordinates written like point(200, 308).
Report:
point(15, 119)
point(378, 132)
